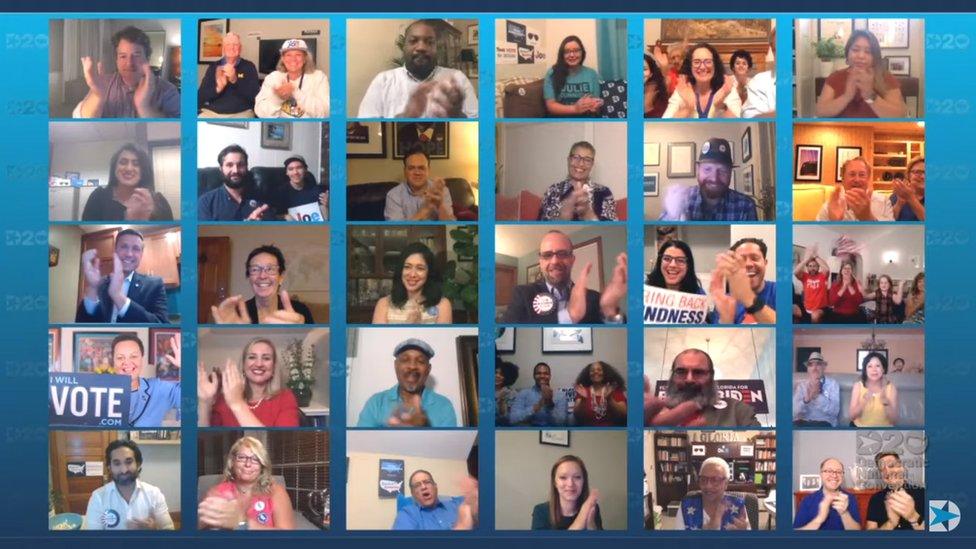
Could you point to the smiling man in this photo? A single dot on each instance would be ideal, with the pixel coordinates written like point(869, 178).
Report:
point(427, 511)
point(830, 507)
point(419, 88)
point(540, 405)
point(230, 84)
point(152, 398)
point(816, 400)
point(409, 403)
point(899, 505)
point(854, 198)
point(126, 503)
point(713, 199)
point(236, 199)
point(125, 295)
point(418, 198)
point(752, 298)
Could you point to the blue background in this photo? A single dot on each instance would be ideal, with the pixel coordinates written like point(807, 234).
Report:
point(949, 237)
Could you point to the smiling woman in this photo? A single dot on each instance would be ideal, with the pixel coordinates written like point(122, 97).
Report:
point(571, 89)
point(572, 503)
point(130, 194)
point(417, 296)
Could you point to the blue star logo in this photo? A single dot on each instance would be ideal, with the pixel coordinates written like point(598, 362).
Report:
point(944, 515)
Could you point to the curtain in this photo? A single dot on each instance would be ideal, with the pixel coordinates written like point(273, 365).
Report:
point(611, 38)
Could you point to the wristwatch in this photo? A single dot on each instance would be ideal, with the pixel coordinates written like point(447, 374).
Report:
point(756, 306)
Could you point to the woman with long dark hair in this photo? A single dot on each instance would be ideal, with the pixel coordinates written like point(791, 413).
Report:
point(601, 396)
point(886, 300)
point(865, 89)
point(569, 88)
point(703, 90)
point(572, 504)
point(417, 296)
point(655, 89)
point(674, 269)
point(131, 191)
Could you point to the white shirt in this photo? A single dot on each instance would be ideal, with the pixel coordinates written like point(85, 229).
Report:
point(312, 97)
point(108, 510)
point(761, 95)
point(880, 209)
point(732, 102)
point(390, 90)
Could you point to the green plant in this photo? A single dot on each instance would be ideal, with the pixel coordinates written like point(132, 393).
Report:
point(827, 49)
point(461, 275)
point(401, 40)
point(300, 361)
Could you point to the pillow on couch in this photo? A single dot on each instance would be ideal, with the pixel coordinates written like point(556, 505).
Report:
point(524, 100)
point(614, 94)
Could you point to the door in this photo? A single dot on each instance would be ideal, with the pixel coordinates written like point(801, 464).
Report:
point(213, 270)
point(505, 282)
point(71, 455)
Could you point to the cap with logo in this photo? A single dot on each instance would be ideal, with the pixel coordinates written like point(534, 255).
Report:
point(716, 149)
point(415, 344)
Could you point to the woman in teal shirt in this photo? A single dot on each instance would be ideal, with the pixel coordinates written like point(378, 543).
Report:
point(570, 89)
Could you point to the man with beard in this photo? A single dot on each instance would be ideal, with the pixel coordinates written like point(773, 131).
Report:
point(830, 507)
point(899, 505)
point(558, 299)
point(812, 271)
point(409, 403)
point(540, 405)
point(133, 91)
point(420, 88)
point(692, 398)
point(854, 198)
point(427, 511)
point(752, 298)
point(712, 199)
point(236, 199)
point(418, 198)
point(125, 295)
point(152, 399)
point(126, 503)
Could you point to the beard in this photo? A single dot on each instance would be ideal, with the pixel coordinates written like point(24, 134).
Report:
point(419, 65)
point(125, 479)
point(231, 183)
point(705, 396)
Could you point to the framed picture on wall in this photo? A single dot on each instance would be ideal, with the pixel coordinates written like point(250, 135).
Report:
point(863, 353)
point(276, 135)
point(747, 144)
point(748, 183)
point(434, 137)
point(505, 340)
point(467, 350)
point(650, 182)
point(891, 33)
point(843, 155)
point(472, 35)
point(809, 483)
point(652, 154)
point(53, 349)
point(210, 34)
point(830, 28)
point(567, 340)
point(533, 273)
point(93, 352)
point(160, 345)
point(809, 162)
point(899, 65)
point(681, 159)
point(365, 140)
point(554, 438)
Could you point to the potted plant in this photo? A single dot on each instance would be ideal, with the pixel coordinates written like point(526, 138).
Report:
point(461, 275)
point(827, 50)
point(300, 361)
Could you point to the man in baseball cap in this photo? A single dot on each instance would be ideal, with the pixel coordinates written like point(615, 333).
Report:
point(816, 399)
point(409, 403)
point(712, 199)
point(303, 199)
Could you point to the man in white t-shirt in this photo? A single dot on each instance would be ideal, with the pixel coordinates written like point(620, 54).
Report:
point(126, 503)
point(761, 90)
point(419, 88)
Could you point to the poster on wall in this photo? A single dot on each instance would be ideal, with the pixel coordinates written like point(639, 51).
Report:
point(391, 478)
point(526, 55)
point(514, 32)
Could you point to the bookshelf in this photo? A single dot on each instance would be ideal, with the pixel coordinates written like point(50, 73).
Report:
point(671, 453)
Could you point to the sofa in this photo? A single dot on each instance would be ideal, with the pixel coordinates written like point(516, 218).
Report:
point(523, 98)
point(808, 198)
point(525, 206)
point(911, 396)
point(366, 201)
point(269, 183)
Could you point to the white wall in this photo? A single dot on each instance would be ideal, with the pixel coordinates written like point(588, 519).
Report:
point(840, 346)
point(306, 141)
point(523, 466)
point(609, 345)
point(463, 161)
point(63, 278)
point(553, 32)
point(535, 155)
point(161, 468)
point(908, 241)
point(372, 371)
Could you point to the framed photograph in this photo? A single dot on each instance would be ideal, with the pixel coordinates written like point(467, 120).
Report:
point(160, 345)
point(715, 30)
point(843, 155)
point(809, 483)
point(567, 340)
point(809, 162)
point(899, 65)
point(53, 256)
point(747, 450)
point(554, 438)
point(748, 183)
point(505, 340)
point(210, 34)
point(391, 478)
point(472, 35)
point(467, 352)
point(840, 28)
point(53, 349)
point(365, 140)
point(155, 436)
point(652, 154)
point(434, 137)
point(650, 182)
point(747, 144)
point(891, 33)
point(681, 159)
point(533, 273)
point(861, 353)
point(72, 175)
point(93, 352)
point(276, 135)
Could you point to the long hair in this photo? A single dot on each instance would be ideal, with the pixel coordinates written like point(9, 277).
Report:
point(308, 67)
point(264, 482)
point(690, 283)
point(718, 79)
point(879, 71)
point(657, 77)
point(610, 375)
point(555, 510)
point(915, 281)
point(840, 275)
point(146, 180)
point(891, 286)
point(560, 71)
point(276, 383)
point(432, 291)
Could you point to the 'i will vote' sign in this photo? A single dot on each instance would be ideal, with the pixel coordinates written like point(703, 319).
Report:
point(89, 400)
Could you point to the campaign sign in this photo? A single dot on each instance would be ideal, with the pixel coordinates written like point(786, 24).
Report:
point(750, 391)
point(307, 213)
point(89, 400)
point(391, 478)
point(663, 306)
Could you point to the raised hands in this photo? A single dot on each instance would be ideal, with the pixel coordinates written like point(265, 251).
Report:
point(232, 310)
point(285, 315)
point(435, 99)
point(140, 205)
point(616, 289)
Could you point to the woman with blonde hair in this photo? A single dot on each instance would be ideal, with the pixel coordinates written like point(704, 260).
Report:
point(296, 89)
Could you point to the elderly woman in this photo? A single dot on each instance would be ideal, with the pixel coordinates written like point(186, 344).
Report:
point(265, 271)
point(703, 89)
point(296, 88)
point(712, 508)
point(131, 193)
point(578, 198)
point(572, 504)
point(248, 498)
point(252, 394)
point(864, 89)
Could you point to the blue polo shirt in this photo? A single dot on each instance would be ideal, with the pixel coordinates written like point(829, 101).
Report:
point(218, 205)
point(381, 406)
point(149, 404)
point(441, 516)
point(807, 510)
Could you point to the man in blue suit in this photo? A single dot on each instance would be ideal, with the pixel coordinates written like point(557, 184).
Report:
point(124, 295)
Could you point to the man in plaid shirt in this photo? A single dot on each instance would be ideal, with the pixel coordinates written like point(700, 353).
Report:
point(712, 199)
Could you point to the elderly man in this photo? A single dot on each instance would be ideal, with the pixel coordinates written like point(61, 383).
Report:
point(133, 91)
point(713, 199)
point(899, 505)
point(712, 508)
point(540, 405)
point(126, 503)
point(427, 511)
point(816, 400)
point(230, 85)
point(420, 88)
point(854, 198)
point(558, 299)
point(409, 403)
point(236, 199)
point(830, 507)
point(418, 198)
point(692, 397)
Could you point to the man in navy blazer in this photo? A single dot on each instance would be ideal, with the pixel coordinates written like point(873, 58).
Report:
point(124, 295)
point(556, 299)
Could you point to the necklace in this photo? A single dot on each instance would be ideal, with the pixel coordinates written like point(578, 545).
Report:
point(256, 404)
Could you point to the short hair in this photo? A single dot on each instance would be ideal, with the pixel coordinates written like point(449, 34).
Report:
point(276, 383)
point(416, 148)
point(432, 23)
point(897, 359)
point(750, 240)
point(536, 367)
point(867, 358)
point(146, 180)
point(824, 462)
point(916, 160)
point(134, 35)
point(130, 232)
point(128, 336)
point(231, 33)
point(235, 148)
point(417, 472)
point(123, 443)
point(740, 54)
point(265, 249)
point(881, 455)
point(708, 359)
point(718, 462)
point(583, 145)
point(843, 167)
point(510, 371)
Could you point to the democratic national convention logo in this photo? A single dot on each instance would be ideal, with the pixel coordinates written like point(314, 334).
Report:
point(944, 515)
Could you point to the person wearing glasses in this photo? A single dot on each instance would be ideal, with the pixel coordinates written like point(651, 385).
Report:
point(578, 198)
point(674, 269)
point(569, 88)
point(830, 507)
point(248, 498)
point(900, 505)
point(265, 271)
point(908, 199)
point(713, 199)
point(712, 508)
point(704, 90)
point(557, 299)
point(427, 511)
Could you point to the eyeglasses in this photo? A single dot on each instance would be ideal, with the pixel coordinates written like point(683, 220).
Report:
point(241, 459)
point(574, 50)
point(421, 483)
point(696, 374)
point(676, 260)
point(711, 480)
point(917, 172)
point(256, 270)
point(585, 160)
point(561, 254)
point(836, 472)
point(702, 62)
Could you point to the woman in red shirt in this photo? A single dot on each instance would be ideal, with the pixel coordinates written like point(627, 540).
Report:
point(864, 89)
point(250, 395)
point(601, 396)
point(846, 297)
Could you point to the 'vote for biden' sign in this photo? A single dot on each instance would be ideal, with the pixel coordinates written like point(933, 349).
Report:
point(89, 400)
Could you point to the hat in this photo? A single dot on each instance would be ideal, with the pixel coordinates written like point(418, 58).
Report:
point(716, 149)
point(294, 44)
point(415, 344)
point(297, 157)
point(815, 356)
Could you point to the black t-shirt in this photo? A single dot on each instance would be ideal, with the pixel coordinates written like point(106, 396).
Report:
point(540, 519)
point(878, 514)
